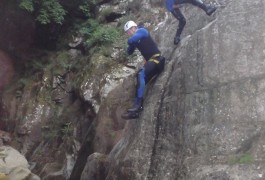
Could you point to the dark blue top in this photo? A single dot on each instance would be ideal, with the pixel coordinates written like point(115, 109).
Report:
point(143, 42)
point(169, 5)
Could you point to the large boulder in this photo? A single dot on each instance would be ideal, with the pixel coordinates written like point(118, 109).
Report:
point(17, 34)
point(14, 165)
point(204, 116)
point(6, 69)
point(96, 167)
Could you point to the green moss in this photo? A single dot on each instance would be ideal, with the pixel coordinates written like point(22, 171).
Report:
point(245, 159)
point(242, 159)
point(97, 34)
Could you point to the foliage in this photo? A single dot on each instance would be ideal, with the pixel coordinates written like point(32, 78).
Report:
point(48, 11)
point(246, 158)
point(98, 34)
point(24, 81)
point(67, 129)
point(61, 126)
point(242, 159)
point(51, 11)
point(27, 5)
point(86, 7)
point(63, 60)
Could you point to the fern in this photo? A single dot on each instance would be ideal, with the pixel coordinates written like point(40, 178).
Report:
point(27, 5)
point(98, 34)
point(51, 11)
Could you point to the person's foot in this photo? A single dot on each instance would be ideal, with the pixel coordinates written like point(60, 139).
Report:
point(130, 115)
point(176, 40)
point(210, 10)
point(136, 108)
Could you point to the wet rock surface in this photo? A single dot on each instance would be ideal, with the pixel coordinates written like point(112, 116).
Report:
point(202, 119)
point(6, 69)
point(208, 121)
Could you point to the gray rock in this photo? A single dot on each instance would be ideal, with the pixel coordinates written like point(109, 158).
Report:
point(14, 165)
point(204, 115)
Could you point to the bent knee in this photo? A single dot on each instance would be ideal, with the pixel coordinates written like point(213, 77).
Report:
point(182, 21)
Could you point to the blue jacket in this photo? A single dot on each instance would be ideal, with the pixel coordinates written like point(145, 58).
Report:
point(169, 5)
point(143, 42)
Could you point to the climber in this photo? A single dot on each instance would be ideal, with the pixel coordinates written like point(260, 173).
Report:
point(173, 7)
point(140, 38)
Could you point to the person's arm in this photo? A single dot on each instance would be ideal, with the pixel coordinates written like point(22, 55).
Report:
point(131, 48)
point(170, 5)
point(138, 35)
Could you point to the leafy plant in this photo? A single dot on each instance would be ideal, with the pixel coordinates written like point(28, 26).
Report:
point(24, 81)
point(98, 34)
point(48, 10)
point(68, 129)
point(86, 7)
point(51, 11)
point(242, 159)
point(27, 5)
point(246, 158)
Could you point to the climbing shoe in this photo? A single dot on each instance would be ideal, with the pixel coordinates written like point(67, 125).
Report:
point(130, 115)
point(137, 106)
point(210, 10)
point(176, 40)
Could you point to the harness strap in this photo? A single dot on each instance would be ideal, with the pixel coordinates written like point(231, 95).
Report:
point(153, 58)
point(155, 55)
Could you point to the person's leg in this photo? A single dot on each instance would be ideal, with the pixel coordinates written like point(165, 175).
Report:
point(144, 75)
point(181, 1)
point(138, 101)
point(150, 71)
point(182, 22)
point(209, 10)
point(161, 64)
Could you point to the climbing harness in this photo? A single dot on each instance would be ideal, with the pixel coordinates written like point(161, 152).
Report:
point(154, 58)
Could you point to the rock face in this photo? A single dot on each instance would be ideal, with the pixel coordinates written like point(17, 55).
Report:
point(96, 167)
point(15, 166)
point(204, 115)
point(17, 36)
point(6, 69)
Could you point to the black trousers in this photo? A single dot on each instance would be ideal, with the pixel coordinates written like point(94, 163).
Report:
point(180, 17)
point(146, 73)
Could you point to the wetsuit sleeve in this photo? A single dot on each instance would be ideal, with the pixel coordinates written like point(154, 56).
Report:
point(138, 35)
point(131, 49)
point(132, 41)
point(170, 4)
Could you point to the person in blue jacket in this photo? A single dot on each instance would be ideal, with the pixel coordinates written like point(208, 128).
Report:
point(173, 7)
point(140, 38)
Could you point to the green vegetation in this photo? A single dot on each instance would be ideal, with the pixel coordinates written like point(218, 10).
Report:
point(42, 68)
point(48, 11)
point(245, 159)
point(86, 7)
point(97, 34)
point(51, 11)
point(27, 5)
point(242, 159)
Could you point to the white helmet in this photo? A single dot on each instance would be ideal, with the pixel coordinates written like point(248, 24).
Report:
point(128, 25)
